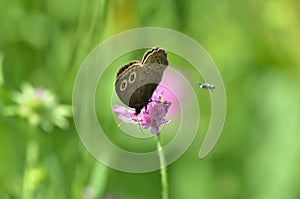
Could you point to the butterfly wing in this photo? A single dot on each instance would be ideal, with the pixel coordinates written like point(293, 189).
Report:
point(154, 63)
point(127, 81)
point(136, 81)
point(155, 55)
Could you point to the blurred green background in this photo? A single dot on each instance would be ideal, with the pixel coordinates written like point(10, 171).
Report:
point(254, 43)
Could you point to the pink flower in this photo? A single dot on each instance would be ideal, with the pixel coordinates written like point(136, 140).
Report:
point(153, 116)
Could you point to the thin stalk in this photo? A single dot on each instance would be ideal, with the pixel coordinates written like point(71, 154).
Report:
point(31, 156)
point(163, 169)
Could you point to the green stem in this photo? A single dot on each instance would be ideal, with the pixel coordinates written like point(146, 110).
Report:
point(163, 169)
point(31, 156)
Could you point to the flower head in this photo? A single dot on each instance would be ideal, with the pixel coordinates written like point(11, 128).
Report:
point(152, 116)
point(40, 107)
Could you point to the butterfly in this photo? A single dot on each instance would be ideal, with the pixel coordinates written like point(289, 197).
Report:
point(136, 81)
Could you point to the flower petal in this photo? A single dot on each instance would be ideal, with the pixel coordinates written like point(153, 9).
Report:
point(126, 119)
point(119, 109)
point(153, 115)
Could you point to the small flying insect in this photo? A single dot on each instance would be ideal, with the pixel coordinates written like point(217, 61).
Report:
point(208, 86)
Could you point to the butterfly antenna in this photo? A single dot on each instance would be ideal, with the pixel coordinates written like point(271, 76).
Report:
point(120, 124)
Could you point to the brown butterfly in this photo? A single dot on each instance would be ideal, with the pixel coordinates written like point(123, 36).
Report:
point(136, 81)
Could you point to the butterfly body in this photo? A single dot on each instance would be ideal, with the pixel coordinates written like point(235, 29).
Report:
point(136, 81)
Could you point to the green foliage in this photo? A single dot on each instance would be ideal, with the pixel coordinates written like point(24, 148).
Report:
point(255, 45)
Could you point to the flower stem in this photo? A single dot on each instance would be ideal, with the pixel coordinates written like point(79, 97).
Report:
point(163, 169)
point(31, 155)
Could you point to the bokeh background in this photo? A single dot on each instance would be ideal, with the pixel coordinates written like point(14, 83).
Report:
point(254, 43)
